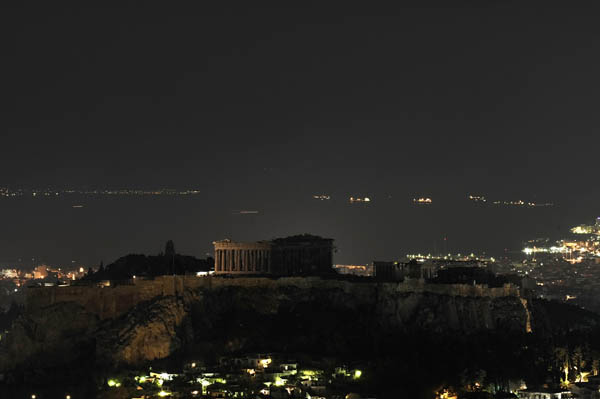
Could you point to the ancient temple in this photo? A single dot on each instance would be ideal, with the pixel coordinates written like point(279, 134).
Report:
point(296, 255)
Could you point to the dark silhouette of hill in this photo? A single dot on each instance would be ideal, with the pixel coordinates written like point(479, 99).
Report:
point(167, 263)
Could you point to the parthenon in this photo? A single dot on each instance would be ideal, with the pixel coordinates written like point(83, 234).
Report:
point(295, 255)
point(242, 257)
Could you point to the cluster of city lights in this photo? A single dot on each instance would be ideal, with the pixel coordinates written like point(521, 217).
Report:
point(359, 199)
point(477, 198)
point(522, 203)
point(8, 192)
point(550, 250)
point(423, 200)
point(531, 204)
point(573, 251)
point(587, 229)
point(210, 382)
point(322, 197)
point(450, 257)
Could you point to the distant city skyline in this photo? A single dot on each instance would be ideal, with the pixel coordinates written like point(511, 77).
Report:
point(55, 191)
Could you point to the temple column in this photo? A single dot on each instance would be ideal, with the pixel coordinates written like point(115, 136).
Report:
point(221, 260)
point(261, 259)
point(217, 253)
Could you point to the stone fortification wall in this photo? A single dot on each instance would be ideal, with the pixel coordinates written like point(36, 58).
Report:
point(112, 301)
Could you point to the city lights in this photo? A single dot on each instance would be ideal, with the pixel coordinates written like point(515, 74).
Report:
point(423, 200)
point(48, 192)
point(359, 199)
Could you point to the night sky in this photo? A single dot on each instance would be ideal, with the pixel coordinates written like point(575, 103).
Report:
point(271, 103)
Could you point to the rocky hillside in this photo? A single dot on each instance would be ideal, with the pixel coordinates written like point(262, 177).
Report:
point(337, 318)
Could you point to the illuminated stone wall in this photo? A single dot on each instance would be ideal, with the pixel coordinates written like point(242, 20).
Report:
point(111, 301)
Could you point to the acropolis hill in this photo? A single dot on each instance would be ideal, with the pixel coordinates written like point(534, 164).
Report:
point(112, 301)
point(173, 308)
point(216, 315)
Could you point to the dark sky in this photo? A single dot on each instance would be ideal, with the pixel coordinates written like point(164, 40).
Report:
point(492, 97)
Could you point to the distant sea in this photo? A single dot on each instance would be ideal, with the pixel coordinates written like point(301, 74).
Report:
point(84, 230)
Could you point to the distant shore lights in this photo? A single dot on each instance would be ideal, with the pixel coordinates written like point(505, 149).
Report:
point(359, 199)
point(423, 200)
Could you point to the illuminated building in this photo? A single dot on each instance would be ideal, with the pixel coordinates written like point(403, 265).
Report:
point(40, 272)
point(9, 273)
point(359, 199)
point(422, 201)
point(477, 198)
point(296, 255)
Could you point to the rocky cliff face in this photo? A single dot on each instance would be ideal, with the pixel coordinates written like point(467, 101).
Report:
point(335, 317)
point(342, 319)
point(442, 313)
point(147, 332)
